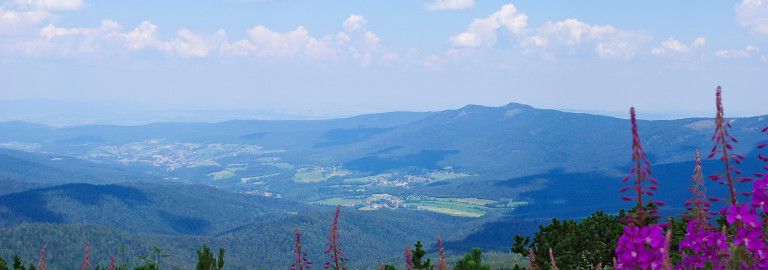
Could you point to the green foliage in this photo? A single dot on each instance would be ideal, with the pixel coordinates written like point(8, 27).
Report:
point(387, 267)
point(574, 244)
point(3, 264)
point(418, 254)
point(206, 261)
point(472, 261)
point(17, 264)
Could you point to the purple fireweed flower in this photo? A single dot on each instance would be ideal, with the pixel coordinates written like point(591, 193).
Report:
point(552, 259)
point(750, 236)
point(760, 156)
point(724, 146)
point(41, 265)
point(112, 264)
point(532, 262)
point(742, 213)
point(698, 204)
point(760, 193)
point(703, 245)
point(641, 172)
point(86, 261)
point(641, 247)
point(301, 257)
point(337, 256)
point(441, 263)
point(408, 258)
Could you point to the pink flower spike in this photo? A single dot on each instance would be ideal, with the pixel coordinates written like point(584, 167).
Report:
point(408, 258)
point(42, 265)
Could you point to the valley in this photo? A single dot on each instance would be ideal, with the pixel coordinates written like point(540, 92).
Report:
point(476, 175)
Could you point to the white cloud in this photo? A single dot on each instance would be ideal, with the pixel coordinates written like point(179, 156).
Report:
point(571, 34)
point(450, 5)
point(356, 43)
point(264, 42)
point(482, 32)
point(745, 53)
point(109, 39)
point(753, 14)
point(699, 42)
point(671, 45)
point(354, 23)
point(76, 41)
point(143, 36)
point(52, 5)
point(674, 46)
point(192, 45)
point(12, 21)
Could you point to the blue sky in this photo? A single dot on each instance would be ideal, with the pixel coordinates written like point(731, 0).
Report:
point(349, 57)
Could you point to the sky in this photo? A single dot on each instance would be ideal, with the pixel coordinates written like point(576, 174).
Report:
point(348, 57)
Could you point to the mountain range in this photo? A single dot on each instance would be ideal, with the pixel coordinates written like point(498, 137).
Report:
point(478, 174)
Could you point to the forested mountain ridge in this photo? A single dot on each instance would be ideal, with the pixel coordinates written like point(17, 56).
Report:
point(144, 208)
point(368, 238)
point(511, 140)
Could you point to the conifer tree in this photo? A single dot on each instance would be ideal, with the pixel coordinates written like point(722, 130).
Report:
point(3, 264)
point(17, 264)
point(418, 254)
point(473, 261)
point(206, 261)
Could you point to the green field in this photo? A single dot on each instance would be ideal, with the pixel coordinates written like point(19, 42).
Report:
point(204, 163)
point(474, 201)
point(465, 207)
point(451, 211)
point(338, 201)
point(446, 175)
point(283, 165)
point(248, 179)
point(307, 175)
point(365, 179)
point(225, 173)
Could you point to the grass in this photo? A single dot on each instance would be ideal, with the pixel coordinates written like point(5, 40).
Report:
point(225, 173)
point(308, 177)
point(283, 165)
point(446, 175)
point(365, 179)
point(338, 201)
point(474, 201)
point(313, 175)
point(465, 207)
point(247, 179)
point(204, 163)
point(450, 211)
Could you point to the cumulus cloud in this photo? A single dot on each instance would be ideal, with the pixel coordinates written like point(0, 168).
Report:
point(54, 5)
point(356, 42)
point(145, 35)
point(15, 21)
point(753, 14)
point(672, 46)
point(109, 39)
point(354, 23)
point(571, 34)
point(699, 42)
point(747, 52)
point(189, 44)
point(450, 5)
point(75, 41)
point(482, 32)
point(264, 42)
